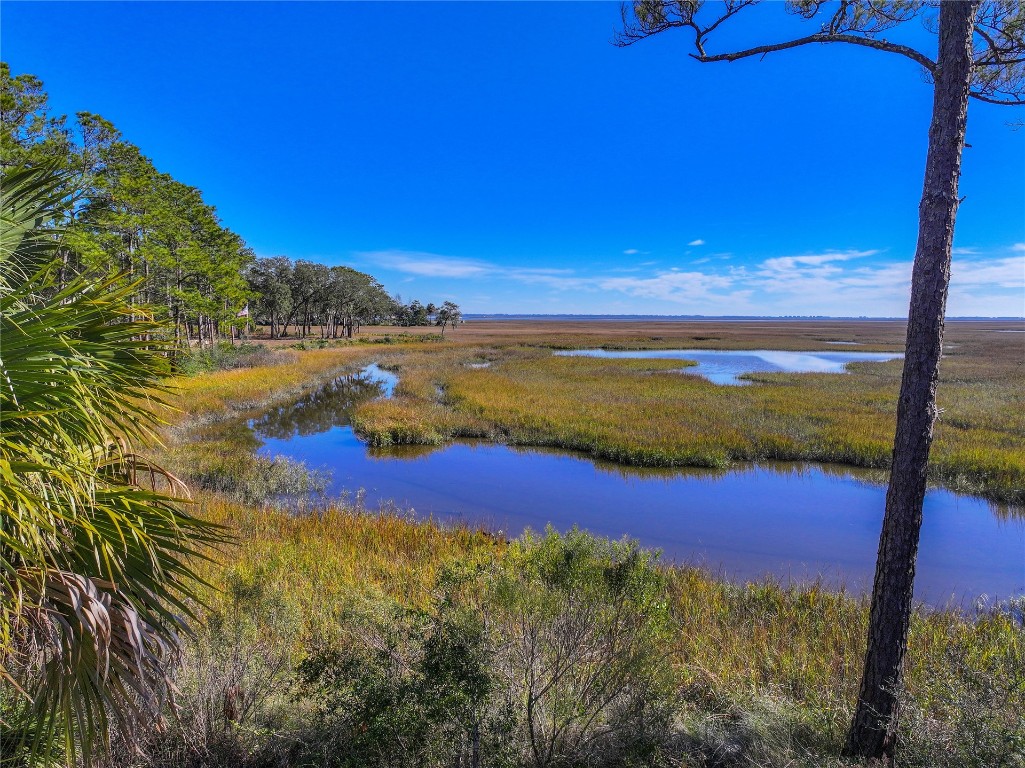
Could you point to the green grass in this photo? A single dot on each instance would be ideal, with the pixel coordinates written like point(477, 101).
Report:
point(770, 669)
point(643, 412)
point(285, 373)
point(764, 673)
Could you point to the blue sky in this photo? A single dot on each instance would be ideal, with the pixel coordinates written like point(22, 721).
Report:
point(507, 156)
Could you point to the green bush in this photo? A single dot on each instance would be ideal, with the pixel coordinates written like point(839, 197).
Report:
point(233, 705)
point(410, 689)
point(556, 650)
point(582, 629)
point(223, 356)
point(317, 343)
point(554, 654)
point(976, 715)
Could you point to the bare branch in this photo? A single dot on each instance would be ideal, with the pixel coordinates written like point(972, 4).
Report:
point(1015, 102)
point(824, 37)
point(732, 9)
point(1000, 63)
point(853, 23)
point(995, 54)
point(999, 53)
point(999, 58)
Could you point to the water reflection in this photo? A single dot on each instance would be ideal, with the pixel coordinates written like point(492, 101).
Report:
point(727, 366)
point(792, 520)
point(326, 407)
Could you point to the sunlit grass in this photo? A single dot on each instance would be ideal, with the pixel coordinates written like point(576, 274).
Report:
point(736, 645)
point(759, 652)
point(647, 412)
point(326, 559)
point(288, 373)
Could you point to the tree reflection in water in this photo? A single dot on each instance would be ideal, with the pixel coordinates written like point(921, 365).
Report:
point(323, 408)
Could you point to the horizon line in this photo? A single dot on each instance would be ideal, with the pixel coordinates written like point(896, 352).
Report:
point(594, 316)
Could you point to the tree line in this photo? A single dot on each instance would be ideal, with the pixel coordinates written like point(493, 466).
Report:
point(121, 216)
point(303, 297)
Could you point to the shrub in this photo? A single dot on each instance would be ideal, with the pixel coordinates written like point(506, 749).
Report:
point(233, 705)
point(409, 689)
point(554, 654)
point(975, 714)
point(223, 357)
point(262, 480)
point(582, 630)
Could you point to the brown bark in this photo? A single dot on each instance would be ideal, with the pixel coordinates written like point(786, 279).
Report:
point(873, 730)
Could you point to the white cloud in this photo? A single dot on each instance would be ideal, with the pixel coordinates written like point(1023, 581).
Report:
point(807, 278)
point(838, 283)
point(556, 281)
point(825, 284)
point(668, 286)
point(426, 264)
point(630, 252)
point(696, 242)
point(999, 273)
point(787, 263)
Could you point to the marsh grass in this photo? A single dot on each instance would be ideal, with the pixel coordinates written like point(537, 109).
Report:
point(646, 412)
point(224, 356)
point(208, 443)
point(287, 585)
point(764, 673)
point(285, 374)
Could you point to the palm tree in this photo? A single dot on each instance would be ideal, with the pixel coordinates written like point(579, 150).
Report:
point(96, 552)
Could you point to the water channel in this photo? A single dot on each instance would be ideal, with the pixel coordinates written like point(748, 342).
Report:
point(727, 366)
point(795, 521)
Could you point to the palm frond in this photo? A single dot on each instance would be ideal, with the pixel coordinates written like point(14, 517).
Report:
point(96, 546)
point(30, 201)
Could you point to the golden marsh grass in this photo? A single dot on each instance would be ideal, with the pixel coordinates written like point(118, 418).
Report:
point(646, 412)
point(298, 579)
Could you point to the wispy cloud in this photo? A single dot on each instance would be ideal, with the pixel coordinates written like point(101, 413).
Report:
point(807, 274)
point(696, 242)
point(630, 252)
point(786, 263)
point(668, 286)
point(1002, 273)
point(849, 282)
point(426, 264)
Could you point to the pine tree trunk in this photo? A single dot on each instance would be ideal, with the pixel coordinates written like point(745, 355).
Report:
point(873, 729)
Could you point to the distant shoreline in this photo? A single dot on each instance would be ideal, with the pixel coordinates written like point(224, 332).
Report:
point(715, 318)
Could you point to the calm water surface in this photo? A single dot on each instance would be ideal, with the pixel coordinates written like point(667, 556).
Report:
point(794, 521)
point(726, 366)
